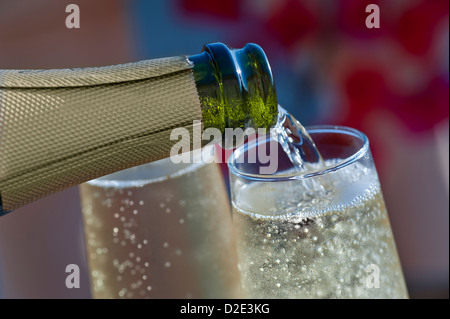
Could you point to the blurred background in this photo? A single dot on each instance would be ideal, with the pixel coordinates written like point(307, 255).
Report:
point(392, 83)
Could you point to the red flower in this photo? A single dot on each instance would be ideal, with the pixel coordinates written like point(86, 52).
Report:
point(416, 26)
point(424, 109)
point(226, 10)
point(365, 90)
point(352, 15)
point(291, 23)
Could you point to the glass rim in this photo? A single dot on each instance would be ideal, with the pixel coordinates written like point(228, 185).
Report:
point(302, 175)
point(164, 169)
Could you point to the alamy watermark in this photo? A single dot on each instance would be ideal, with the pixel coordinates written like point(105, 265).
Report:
point(373, 19)
point(265, 154)
point(373, 276)
point(73, 19)
point(73, 279)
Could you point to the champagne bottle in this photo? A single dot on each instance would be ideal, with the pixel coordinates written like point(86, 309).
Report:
point(60, 128)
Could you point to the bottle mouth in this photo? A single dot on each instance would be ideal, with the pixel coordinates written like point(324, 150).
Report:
point(235, 86)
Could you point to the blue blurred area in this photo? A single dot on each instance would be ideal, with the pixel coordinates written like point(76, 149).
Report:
point(158, 32)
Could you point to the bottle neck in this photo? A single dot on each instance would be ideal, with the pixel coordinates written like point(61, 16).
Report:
point(235, 87)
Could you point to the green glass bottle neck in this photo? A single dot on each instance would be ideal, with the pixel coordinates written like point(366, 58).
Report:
point(235, 86)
